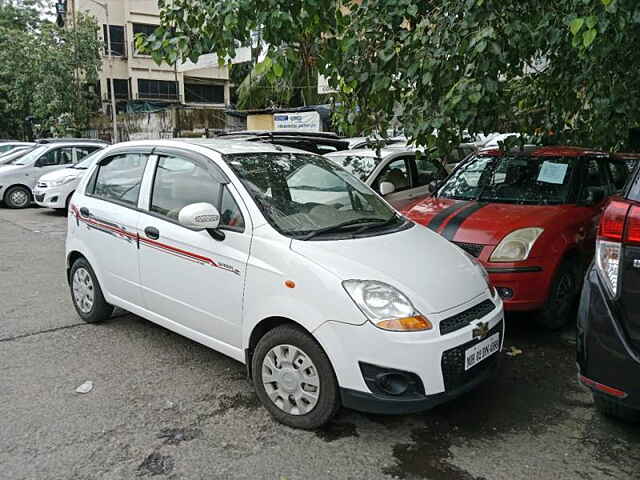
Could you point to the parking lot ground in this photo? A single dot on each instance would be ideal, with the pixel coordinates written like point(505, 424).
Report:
point(166, 407)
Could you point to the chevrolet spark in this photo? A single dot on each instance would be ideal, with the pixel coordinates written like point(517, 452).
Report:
point(328, 303)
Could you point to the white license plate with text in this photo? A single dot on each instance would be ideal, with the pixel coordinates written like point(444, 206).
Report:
point(482, 350)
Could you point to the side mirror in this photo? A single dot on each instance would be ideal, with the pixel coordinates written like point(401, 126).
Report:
point(386, 188)
point(40, 162)
point(432, 186)
point(199, 216)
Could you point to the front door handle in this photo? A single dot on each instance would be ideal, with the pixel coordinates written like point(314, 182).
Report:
point(84, 211)
point(152, 232)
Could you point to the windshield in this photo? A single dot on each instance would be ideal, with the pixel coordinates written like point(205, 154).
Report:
point(87, 161)
point(30, 157)
point(13, 155)
point(358, 165)
point(306, 195)
point(508, 179)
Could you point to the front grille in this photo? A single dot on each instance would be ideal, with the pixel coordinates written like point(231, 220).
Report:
point(471, 248)
point(453, 361)
point(40, 198)
point(463, 319)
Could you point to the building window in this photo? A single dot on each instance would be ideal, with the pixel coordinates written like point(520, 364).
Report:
point(157, 89)
point(117, 40)
point(197, 93)
point(143, 29)
point(120, 89)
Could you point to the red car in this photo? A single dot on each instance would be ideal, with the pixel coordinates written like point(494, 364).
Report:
point(530, 218)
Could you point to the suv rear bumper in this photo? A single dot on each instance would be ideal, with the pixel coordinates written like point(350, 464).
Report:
point(604, 355)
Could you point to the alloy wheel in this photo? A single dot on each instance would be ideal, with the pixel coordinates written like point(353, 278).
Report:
point(19, 198)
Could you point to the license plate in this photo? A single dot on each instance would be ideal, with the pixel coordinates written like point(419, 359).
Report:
point(482, 350)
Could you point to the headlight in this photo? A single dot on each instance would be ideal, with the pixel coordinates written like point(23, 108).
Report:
point(62, 181)
point(516, 246)
point(385, 306)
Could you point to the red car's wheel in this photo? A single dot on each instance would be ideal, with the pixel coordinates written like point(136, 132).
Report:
point(559, 309)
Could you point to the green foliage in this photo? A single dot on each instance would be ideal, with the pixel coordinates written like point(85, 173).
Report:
point(562, 68)
point(42, 70)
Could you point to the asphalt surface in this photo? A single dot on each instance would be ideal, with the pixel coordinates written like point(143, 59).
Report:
point(165, 407)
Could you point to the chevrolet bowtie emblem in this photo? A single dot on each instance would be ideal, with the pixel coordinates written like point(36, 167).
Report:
point(481, 331)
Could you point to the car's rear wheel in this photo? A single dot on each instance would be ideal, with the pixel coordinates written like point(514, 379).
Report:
point(560, 307)
point(86, 293)
point(294, 379)
point(610, 407)
point(17, 197)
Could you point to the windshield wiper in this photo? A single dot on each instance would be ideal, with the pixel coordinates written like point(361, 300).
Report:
point(379, 224)
point(340, 226)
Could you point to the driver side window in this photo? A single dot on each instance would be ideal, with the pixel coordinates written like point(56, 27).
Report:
point(180, 182)
point(118, 178)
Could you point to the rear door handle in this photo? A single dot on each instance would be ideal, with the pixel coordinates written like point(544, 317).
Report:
point(152, 232)
point(84, 211)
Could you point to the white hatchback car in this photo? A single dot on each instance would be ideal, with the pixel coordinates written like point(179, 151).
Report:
point(327, 304)
point(396, 172)
point(18, 178)
point(55, 189)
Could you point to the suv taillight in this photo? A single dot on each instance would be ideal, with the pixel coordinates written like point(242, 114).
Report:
point(620, 223)
point(632, 234)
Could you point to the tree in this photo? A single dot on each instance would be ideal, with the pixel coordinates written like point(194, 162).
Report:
point(43, 69)
point(441, 68)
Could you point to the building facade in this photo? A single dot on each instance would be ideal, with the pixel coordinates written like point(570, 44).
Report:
point(136, 77)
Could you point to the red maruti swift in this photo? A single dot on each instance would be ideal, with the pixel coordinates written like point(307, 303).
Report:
point(530, 218)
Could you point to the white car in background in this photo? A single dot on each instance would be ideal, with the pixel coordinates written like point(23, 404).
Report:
point(394, 171)
point(10, 146)
point(11, 156)
point(18, 179)
point(55, 189)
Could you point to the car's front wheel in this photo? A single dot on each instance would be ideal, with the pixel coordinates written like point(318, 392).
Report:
point(560, 309)
point(294, 379)
point(17, 197)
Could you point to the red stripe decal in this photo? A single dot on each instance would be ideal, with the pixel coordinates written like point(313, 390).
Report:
point(153, 243)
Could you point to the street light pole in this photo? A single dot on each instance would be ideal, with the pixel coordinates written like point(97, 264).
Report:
point(114, 138)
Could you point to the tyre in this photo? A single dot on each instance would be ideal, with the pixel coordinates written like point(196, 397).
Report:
point(294, 379)
point(86, 293)
point(561, 304)
point(68, 201)
point(17, 197)
point(611, 408)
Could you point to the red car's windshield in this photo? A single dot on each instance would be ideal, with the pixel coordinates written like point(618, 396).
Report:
point(512, 179)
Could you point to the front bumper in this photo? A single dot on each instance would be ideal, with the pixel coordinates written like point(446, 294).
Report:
point(529, 286)
point(51, 197)
point(603, 353)
point(437, 360)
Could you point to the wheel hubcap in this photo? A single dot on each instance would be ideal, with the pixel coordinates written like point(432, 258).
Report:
point(83, 290)
point(19, 198)
point(290, 379)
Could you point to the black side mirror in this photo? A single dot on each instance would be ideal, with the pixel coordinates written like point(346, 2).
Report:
point(432, 186)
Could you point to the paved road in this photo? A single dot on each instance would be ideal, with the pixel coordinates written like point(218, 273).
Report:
point(166, 407)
